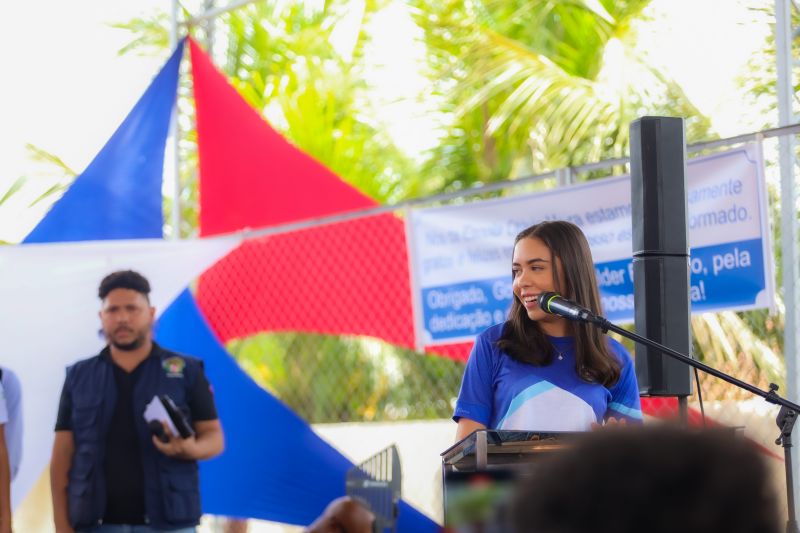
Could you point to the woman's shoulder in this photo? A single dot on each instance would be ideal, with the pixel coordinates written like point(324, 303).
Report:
point(492, 334)
point(486, 342)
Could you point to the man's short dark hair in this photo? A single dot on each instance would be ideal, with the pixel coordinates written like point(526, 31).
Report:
point(124, 279)
point(657, 479)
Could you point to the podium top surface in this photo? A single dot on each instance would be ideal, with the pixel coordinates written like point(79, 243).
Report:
point(508, 441)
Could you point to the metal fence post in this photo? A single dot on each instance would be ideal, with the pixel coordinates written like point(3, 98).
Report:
point(789, 232)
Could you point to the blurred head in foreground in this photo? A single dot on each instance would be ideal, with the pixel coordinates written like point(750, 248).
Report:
point(655, 479)
point(344, 515)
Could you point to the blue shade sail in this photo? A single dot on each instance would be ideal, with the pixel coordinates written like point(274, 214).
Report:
point(118, 196)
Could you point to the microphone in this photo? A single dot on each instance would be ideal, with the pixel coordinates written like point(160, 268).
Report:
point(555, 304)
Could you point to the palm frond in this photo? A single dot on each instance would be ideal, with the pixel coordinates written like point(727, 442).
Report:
point(13, 189)
point(726, 342)
point(53, 190)
point(40, 155)
point(152, 33)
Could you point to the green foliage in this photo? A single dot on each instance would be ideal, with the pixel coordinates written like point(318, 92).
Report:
point(151, 33)
point(342, 379)
point(66, 175)
point(12, 190)
point(742, 344)
point(282, 59)
point(759, 79)
point(528, 87)
point(60, 177)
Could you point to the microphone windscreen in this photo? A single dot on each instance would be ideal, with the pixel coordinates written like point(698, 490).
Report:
point(544, 300)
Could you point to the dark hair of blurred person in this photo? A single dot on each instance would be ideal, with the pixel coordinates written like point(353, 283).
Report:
point(654, 479)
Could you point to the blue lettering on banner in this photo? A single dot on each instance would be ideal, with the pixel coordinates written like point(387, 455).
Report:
point(729, 275)
point(725, 275)
point(615, 279)
point(465, 309)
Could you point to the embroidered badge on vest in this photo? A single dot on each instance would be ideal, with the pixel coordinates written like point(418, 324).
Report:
point(174, 367)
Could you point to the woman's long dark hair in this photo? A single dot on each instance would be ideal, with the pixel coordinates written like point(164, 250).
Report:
point(523, 338)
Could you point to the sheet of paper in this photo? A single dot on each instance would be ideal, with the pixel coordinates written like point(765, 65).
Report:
point(155, 411)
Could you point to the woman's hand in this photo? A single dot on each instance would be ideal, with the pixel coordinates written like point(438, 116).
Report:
point(610, 421)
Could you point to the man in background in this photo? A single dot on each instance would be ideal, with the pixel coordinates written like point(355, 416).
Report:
point(109, 471)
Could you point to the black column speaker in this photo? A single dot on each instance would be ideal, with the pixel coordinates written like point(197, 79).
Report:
point(660, 253)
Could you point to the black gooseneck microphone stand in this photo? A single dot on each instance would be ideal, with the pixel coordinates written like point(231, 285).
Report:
point(555, 304)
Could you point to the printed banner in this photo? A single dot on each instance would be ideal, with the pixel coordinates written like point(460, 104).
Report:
point(461, 255)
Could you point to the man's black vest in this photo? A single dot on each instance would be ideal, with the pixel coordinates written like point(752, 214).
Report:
point(172, 494)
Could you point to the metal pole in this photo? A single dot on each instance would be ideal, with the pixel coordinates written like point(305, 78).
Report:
point(786, 145)
point(208, 6)
point(564, 176)
point(175, 137)
point(213, 13)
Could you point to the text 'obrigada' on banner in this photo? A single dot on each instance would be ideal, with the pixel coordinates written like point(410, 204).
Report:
point(461, 255)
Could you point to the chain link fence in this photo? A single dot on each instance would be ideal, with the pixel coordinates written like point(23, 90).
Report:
point(327, 379)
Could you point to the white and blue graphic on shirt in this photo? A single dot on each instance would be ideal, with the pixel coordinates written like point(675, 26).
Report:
point(548, 407)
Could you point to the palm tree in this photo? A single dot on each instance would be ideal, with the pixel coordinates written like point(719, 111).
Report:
point(535, 86)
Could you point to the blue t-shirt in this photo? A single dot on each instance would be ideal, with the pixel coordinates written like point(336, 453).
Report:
point(503, 393)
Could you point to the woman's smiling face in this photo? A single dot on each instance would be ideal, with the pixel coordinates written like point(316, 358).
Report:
point(535, 271)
